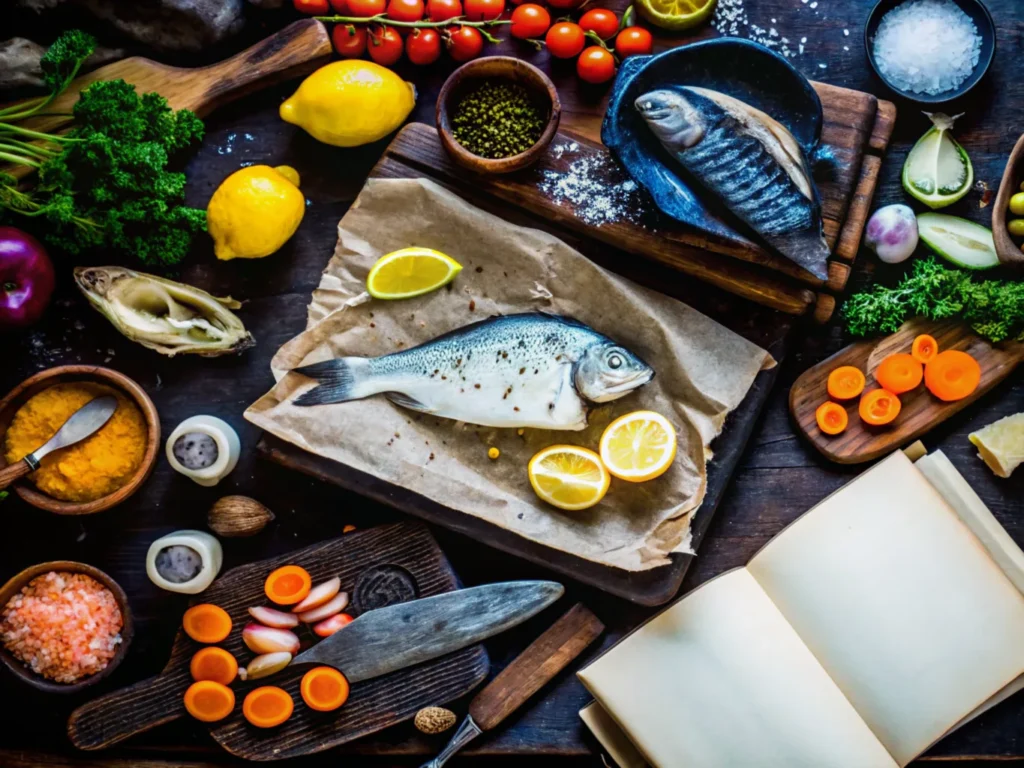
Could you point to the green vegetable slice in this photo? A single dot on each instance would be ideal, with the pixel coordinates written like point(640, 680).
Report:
point(959, 241)
point(938, 171)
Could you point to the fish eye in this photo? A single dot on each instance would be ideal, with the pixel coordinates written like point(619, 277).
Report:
point(614, 361)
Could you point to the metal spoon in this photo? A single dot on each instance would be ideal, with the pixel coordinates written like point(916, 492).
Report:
point(82, 423)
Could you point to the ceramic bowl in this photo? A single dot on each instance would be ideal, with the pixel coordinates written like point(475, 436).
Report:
point(537, 84)
point(19, 670)
point(98, 375)
point(982, 19)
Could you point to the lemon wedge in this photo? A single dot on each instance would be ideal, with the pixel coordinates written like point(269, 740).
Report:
point(410, 272)
point(1001, 444)
point(676, 15)
point(569, 477)
point(639, 446)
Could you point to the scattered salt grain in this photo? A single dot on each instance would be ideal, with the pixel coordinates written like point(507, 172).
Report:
point(598, 189)
point(927, 46)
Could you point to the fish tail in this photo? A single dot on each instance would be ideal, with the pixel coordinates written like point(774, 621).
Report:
point(807, 248)
point(338, 380)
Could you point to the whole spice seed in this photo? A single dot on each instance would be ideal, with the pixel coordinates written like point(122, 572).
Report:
point(497, 120)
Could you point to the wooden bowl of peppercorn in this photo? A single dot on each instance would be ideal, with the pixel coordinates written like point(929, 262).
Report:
point(497, 114)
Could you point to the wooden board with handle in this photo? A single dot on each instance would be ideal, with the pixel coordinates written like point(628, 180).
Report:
point(372, 705)
point(920, 411)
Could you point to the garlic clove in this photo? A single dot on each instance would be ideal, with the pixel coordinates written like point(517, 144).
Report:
point(271, 617)
point(238, 516)
point(260, 639)
point(265, 664)
point(329, 626)
point(337, 604)
point(319, 595)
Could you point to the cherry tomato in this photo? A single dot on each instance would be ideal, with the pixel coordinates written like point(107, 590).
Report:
point(349, 40)
point(405, 10)
point(633, 41)
point(366, 8)
point(312, 7)
point(600, 21)
point(442, 10)
point(465, 43)
point(595, 65)
point(423, 46)
point(530, 20)
point(340, 7)
point(564, 40)
point(385, 46)
point(484, 10)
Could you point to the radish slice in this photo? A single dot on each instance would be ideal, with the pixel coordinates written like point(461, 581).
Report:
point(271, 617)
point(262, 639)
point(336, 604)
point(328, 627)
point(319, 595)
point(265, 664)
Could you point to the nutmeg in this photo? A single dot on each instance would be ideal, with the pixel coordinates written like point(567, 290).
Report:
point(238, 516)
point(434, 720)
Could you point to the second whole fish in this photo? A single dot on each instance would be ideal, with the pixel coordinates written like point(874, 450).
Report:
point(528, 370)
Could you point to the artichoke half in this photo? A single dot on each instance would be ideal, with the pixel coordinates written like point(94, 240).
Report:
point(171, 318)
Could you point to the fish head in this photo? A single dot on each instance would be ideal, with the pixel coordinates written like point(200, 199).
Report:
point(607, 371)
point(672, 118)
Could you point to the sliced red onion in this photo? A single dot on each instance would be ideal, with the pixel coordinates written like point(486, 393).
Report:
point(318, 595)
point(265, 664)
point(336, 604)
point(328, 627)
point(271, 617)
point(262, 639)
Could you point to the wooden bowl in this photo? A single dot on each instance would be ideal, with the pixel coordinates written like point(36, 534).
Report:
point(537, 84)
point(19, 670)
point(1009, 252)
point(89, 373)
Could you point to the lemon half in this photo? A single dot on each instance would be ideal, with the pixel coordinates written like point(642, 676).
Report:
point(410, 272)
point(569, 477)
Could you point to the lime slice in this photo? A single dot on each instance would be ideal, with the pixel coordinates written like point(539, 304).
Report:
point(938, 171)
point(410, 272)
point(676, 15)
point(960, 241)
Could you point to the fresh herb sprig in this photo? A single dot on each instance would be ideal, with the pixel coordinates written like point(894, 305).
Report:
point(994, 309)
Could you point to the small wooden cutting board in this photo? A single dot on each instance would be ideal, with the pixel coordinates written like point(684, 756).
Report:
point(921, 411)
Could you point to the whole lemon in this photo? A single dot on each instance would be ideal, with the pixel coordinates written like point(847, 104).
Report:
point(254, 211)
point(349, 103)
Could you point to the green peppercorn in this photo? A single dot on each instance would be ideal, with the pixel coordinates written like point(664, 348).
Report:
point(497, 120)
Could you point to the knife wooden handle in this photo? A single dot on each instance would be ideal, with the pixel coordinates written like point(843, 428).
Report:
point(9, 474)
point(529, 671)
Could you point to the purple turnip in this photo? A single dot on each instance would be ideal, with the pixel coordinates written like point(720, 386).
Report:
point(892, 233)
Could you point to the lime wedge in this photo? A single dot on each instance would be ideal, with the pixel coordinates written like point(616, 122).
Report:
point(960, 241)
point(938, 171)
point(676, 15)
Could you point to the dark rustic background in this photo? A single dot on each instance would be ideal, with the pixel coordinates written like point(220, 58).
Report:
point(779, 477)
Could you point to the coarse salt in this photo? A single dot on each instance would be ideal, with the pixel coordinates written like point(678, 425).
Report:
point(598, 189)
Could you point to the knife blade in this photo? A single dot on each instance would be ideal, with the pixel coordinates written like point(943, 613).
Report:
point(398, 636)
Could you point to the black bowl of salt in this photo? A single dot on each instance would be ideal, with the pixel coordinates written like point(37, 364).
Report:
point(930, 51)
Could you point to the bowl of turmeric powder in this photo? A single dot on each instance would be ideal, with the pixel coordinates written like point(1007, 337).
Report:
point(97, 473)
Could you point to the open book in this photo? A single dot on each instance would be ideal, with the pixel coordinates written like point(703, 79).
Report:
point(878, 622)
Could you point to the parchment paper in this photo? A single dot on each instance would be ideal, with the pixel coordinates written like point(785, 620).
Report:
point(702, 370)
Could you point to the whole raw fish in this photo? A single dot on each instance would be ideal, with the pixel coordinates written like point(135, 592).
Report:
point(748, 160)
point(529, 370)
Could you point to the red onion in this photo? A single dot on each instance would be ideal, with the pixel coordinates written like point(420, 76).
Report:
point(26, 279)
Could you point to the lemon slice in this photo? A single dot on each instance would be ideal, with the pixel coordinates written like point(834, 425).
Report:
point(1001, 444)
point(938, 171)
point(569, 477)
point(676, 14)
point(410, 272)
point(638, 446)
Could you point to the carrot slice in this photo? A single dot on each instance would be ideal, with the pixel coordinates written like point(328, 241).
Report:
point(214, 664)
point(267, 706)
point(845, 382)
point(879, 406)
point(900, 373)
point(206, 623)
point(924, 348)
point(324, 689)
point(288, 585)
point(952, 375)
point(831, 418)
point(209, 701)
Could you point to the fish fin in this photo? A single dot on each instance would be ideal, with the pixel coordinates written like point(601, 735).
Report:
point(399, 398)
point(807, 248)
point(335, 379)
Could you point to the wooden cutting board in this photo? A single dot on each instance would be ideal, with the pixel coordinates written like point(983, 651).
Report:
point(920, 412)
point(372, 705)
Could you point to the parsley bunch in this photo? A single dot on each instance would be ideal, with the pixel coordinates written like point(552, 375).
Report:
point(994, 309)
point(105, 183)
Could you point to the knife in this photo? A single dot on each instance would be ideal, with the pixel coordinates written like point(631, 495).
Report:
point(83, 422)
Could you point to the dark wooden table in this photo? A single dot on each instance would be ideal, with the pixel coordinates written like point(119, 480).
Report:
point(779, 477)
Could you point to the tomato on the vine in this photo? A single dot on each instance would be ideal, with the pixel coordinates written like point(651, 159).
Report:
point(442, 10)
point(530, 20)
point(564, 40)
point(405, 10)
point(601, 21)
point(385, 46)
point(340, 7)
point(484, 10)
point(349, 40)
point(465, 43)
point(634, 41)
point(312, 7)
point(366, 8)
point(596, 65)
point(423, 46)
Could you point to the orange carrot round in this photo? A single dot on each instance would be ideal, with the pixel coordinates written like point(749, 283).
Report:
point(878, 407)
point(267, 706)
point(952, 375)
point(288, 585)
point(206, 623)
point(324, 689)
point(899, 373)
point(209, 701)
point(214, 664)
point(924, 348)
point(831, 418)
point(845, 382)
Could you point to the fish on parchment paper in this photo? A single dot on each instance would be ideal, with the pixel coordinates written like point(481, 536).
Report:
point(748, 160)
point(528, 370)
